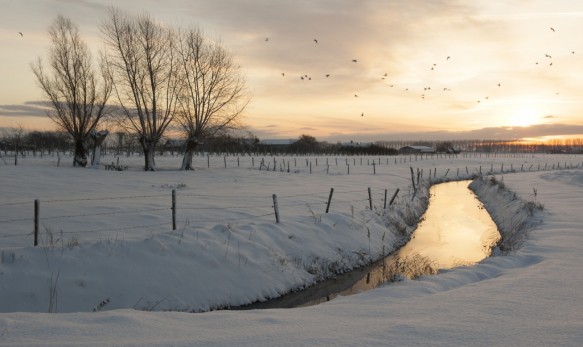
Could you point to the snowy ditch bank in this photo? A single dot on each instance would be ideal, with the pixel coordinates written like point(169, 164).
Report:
point(226, 265)
point(456, 230)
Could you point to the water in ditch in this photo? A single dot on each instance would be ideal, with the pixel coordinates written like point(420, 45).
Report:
point(455, 231)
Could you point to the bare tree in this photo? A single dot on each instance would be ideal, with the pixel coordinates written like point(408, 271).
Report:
point(76, 93)
point(213, 94)
point(140, 55)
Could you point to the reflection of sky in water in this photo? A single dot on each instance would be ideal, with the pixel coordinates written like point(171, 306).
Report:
point(456, 229)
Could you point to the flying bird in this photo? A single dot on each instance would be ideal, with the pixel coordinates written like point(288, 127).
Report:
point(447, 57)
point(327, 75)
point(354, 60)
point(553, 29)
point(315, 40)
point(266, 39)
point(21, 33)
point(548, 56)
point(356, 95)
point(362, 114)
point(283, 74)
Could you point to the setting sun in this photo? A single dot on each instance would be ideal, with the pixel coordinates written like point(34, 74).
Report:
point(524, 116)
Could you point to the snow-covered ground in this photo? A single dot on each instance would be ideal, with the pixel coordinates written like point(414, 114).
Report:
point(106, 237)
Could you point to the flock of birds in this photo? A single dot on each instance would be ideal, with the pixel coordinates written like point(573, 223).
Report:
point(426, 89)
point(433, 67)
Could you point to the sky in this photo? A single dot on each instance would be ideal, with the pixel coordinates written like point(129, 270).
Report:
point(372, 70)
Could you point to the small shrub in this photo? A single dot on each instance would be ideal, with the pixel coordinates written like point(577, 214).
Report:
point(101, 305)
point(73, 242)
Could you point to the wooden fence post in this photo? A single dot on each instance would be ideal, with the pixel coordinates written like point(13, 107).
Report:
point(413, 178)
point(369, 199)
point(173, 209)
point(276, 208)
point(208, 161)
point(329, 200)
point(385, 201)
point(36, 219)
point(374, 168)
point(394, 196)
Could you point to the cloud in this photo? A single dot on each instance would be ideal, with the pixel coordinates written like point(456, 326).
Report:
point(91, 5)
point(371, 31)
point(28, 109)
point(490, 133)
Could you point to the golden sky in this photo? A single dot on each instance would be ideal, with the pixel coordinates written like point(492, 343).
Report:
point(426, 69)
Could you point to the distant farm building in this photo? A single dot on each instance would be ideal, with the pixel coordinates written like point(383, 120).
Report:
point(416, 150)
point(356, 144)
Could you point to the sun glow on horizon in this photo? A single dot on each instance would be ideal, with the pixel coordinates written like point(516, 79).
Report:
point(524, 116)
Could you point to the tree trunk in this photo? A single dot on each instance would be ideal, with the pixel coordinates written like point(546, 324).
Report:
point(191, 145)
point(149, 145)
point(98, 137)
point(80, 157)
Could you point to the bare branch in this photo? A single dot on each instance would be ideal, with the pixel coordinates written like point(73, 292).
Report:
point(77, 93)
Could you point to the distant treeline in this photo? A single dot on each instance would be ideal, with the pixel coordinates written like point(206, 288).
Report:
point(20, 140)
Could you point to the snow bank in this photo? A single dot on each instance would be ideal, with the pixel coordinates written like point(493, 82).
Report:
point(195, 268)
point(513, 215)
point(530, 297)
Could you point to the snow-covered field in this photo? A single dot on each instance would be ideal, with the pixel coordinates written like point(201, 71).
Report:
point(106, 237)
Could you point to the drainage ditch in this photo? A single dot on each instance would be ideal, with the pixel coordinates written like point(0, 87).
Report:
point(456, 230)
